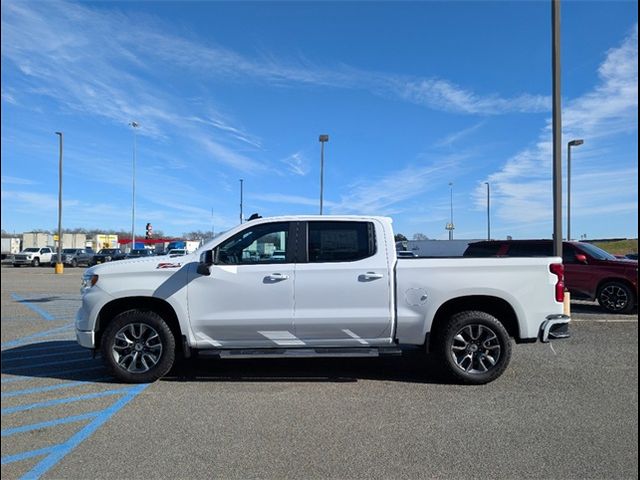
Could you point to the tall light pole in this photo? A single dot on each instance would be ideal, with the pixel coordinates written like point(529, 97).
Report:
point(59, 268)
point(572, 143)
point(557, 128)
point(241, 193)
point(323, 138)
point(450, 226)
point(135, 126)
point(488, 210)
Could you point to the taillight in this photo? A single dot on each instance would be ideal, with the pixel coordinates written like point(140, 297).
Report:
point(558, 270)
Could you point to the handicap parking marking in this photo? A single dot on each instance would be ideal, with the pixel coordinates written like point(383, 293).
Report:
point(44, 314)
point(54, 453)
point(58, 307)
point(29, 364)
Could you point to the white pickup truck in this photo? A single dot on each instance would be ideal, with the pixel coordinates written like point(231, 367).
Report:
point(335, 288)
point(34, 256)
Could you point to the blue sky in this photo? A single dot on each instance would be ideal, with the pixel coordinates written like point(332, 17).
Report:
point(413, 96)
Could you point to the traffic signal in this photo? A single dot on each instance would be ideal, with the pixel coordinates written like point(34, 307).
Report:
point(149, 231)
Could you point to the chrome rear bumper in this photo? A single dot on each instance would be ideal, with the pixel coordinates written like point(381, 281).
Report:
point(555, 327)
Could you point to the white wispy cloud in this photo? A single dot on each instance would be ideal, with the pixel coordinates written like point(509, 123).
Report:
point(59, 42)
point(446, 96)
point(17, 180)
point(389, 194)
point(521, 189)
point(459, 135)
point(298, 164)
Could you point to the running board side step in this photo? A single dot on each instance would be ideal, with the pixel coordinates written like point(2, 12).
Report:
point(299, 352)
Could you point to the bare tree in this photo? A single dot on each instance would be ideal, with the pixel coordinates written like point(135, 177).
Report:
point(420, 236)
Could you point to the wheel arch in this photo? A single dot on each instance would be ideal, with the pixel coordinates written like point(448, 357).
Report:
point(496, 306)
point(120, 305)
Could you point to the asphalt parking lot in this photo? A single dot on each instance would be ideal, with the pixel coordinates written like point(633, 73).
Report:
point(570, 411)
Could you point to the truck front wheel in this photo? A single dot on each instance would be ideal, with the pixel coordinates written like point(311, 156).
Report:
point(138, 347)
point(475, 348)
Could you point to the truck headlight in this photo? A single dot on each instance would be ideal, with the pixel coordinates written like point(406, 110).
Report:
point(88, 281)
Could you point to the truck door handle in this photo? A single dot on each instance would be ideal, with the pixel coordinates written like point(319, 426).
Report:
point(371, 276)
point(276, 277)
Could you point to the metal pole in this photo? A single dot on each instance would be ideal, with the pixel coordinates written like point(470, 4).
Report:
point(557, 130)
point(569, 192)
point(451, 204)
point(135, 125)
point(59, 268)
point(241, 193)
point(488, 211)
point(321, 174)
point(322, 138)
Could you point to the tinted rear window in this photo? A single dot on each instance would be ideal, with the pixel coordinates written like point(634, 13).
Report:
point(340, 241)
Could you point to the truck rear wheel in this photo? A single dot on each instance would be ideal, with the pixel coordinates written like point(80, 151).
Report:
point(475, 348)
point(138, 347)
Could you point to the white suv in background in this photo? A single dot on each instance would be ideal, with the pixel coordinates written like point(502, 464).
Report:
point(34, 256)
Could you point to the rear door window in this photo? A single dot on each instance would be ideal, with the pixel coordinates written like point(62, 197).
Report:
point(340, 241)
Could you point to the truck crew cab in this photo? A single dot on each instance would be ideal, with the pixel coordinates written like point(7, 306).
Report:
point(317, 286)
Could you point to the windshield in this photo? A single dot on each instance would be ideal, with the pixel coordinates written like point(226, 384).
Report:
point(69, 250)
point(596, 252)
point(108, 250)
point(31, 249)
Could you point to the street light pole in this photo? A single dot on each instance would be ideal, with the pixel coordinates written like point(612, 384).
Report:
point(241, 193)
point(135, 126)
point(488, 210)
point(59, 268)
point(557, 128)
point(572, 143)
point(323, 138)
point(450, 225)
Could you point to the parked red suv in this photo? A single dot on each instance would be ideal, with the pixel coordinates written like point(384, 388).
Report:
point(590, 272)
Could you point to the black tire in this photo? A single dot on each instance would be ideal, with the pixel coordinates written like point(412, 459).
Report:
point(481, 359)
point(131, 364)
point(35, 262)
point(74, 263)
point(616, 297)
point(17, 265)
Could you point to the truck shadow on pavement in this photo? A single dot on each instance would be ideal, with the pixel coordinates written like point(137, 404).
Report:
point(66, 360)
point(413, 367)
point(55, 359)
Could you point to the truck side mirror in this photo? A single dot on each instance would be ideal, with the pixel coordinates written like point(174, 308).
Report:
point(581, 258)
point(206, 260)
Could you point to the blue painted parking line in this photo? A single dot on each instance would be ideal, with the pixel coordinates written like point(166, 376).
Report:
point(62, 450)
point(62, 401)
point(50, 388)
point(44, 334)
point(45, 315)
point(51, 423)
point(26, 455)
point(24, 378)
